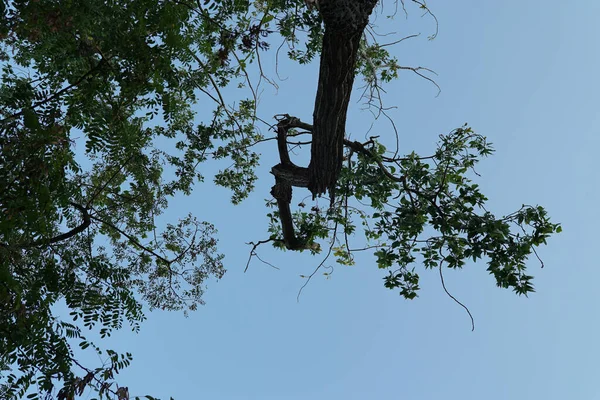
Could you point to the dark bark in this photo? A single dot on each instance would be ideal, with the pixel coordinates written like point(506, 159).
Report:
point(345, 21)
point(282, 191)
point(287, 174)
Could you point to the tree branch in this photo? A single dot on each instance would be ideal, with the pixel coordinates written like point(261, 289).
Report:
point(48, 241)
point(133, 240)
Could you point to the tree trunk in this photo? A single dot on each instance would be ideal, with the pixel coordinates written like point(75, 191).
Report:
point(345, 21)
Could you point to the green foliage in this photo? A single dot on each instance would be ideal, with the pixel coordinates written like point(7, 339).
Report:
point(98, 132)
point(426, 210)
point(442, 202)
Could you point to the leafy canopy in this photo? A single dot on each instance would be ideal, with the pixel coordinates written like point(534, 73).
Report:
point(127, 78)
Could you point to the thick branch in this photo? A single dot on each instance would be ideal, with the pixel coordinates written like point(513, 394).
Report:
point(287, 174)
point(48, 241)
point(282, 191)
point(354, 145)
point(294, 175)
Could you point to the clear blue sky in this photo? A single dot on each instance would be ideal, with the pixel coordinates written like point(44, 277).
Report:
point(523, 73)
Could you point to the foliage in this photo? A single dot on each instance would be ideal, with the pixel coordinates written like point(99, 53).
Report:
point(423, 210)
point(123, 80)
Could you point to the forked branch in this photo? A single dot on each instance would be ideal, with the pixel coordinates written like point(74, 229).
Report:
point(287, 175)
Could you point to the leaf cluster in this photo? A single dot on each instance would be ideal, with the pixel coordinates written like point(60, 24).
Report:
point(424, 210)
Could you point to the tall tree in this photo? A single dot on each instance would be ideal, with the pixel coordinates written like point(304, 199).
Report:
point(125, 76)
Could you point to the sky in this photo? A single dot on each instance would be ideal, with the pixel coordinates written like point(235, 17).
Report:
point(524, 74)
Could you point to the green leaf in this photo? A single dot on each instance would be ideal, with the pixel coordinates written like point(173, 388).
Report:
point(31, 120)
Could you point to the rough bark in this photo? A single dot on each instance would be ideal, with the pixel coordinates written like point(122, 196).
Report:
point(345, 21)
point(287, 175)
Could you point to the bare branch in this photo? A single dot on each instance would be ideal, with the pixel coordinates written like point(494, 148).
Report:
point(399, 40)
point(254, 254)
point(428, 11)
point(416, 71)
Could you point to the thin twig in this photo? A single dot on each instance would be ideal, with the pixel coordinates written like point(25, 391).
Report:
point(400, 40)
point(253, 252)
point(101, 188)
point(132, 239)
point(320, 264)
point(456, 300)
point(416, 71)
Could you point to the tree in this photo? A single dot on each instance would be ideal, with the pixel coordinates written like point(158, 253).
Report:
point(80, 226)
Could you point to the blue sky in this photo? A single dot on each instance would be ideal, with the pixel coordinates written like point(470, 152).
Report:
point(525, 75)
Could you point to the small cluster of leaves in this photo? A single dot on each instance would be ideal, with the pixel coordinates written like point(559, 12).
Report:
point(375, 64)
point(175, 280)
point(240, 176)
point(310, 227)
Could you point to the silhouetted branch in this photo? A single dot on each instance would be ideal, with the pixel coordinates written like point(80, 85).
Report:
point(456, 300)
point(132, 240)
point(254, 254)
point(48, 241)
